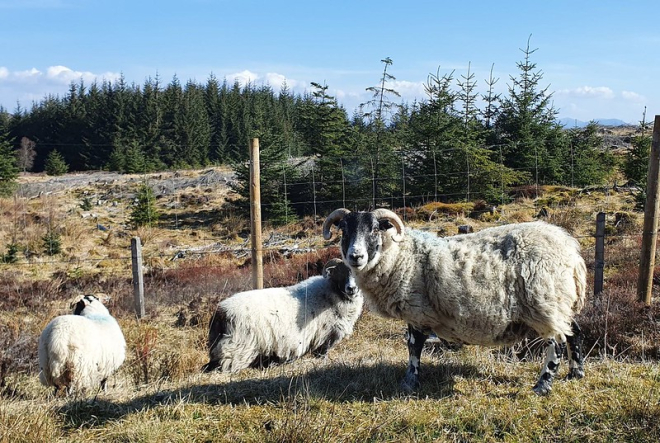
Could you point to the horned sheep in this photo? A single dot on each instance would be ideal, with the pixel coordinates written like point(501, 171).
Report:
point(491, 287)
point(263, 326)
point(80, 351)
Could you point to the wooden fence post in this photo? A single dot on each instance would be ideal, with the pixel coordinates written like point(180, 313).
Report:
point(599, 260)
point(650, 233)
point(138, 279)
point(255, 216)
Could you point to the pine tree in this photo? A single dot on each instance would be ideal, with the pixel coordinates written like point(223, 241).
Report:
point(527, 127)
point(383, 161)
point(324, 129)
point(8, 167)
point(52, 242)
point(55, 164)
point(145, 212)
point(589, 162)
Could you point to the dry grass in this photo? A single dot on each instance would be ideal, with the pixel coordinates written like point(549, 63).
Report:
point(159, 394)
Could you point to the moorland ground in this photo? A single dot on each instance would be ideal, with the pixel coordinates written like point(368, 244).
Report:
point(198, 254)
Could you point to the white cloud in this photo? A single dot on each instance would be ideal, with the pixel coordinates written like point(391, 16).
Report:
point(243, 77)
point(588, 91)
point(408, 90)
point(633, 97)
point(33, 84)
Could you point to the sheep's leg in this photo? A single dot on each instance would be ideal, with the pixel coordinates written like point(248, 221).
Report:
point(553, 354)
point(575, 357)
point(416, 341)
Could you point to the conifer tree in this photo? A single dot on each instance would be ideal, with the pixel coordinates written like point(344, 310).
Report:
point(589, 162)
point(8, 166)
point(55, 164)
point(527, 126)
point(383, 161)
point(144, 212)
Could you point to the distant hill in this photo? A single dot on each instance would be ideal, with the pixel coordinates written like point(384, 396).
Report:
point(568, 122)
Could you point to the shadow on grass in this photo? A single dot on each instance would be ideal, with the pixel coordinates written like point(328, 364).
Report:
point(337, 383)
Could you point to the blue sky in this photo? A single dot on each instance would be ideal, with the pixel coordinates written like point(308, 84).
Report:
point(599, 58)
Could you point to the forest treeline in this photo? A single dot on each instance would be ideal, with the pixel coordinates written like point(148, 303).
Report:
point(462, 142)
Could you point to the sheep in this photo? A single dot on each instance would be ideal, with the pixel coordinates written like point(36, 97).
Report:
point(81, 351)
point(274, 325)
point(489, 288)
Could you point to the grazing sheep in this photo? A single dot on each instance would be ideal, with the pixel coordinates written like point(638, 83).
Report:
point(82, 350)
point(488, 288)
point(263, 326)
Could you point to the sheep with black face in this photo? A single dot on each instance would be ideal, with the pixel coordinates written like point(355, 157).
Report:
point(80, 351)
point(263, 326)
point(492, 287)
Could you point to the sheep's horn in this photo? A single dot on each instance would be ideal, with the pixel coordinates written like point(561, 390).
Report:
point(381, 213)
point(332, 219)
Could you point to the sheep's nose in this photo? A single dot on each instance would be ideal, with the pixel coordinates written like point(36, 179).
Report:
point(355, 257)
point(351, 290)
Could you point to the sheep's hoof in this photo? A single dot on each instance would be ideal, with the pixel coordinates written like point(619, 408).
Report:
point(410, 383)
point(575, 374)
point(542, 388)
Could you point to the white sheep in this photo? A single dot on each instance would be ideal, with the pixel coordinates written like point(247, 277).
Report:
point(262, 326)
point(81, 351)
point(492, 287)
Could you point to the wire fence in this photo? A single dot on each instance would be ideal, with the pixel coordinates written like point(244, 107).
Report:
point(114, 198)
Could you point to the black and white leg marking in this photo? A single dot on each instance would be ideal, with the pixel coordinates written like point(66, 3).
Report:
point(552, 358)
point(416, 341)
point(575, 355)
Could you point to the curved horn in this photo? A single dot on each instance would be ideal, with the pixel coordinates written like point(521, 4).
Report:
point(394, 219)
point(332, 219)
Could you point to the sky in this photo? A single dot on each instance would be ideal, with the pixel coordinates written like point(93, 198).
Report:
point(599, 59)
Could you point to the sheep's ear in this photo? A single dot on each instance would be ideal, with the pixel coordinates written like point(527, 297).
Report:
point(327, 272)
point(79, 307)
point(384, 224)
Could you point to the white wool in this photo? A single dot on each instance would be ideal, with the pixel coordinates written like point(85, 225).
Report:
point(78, 352)
point(477, 288)
point(282, 323)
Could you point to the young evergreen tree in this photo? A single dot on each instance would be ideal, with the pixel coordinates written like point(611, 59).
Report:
point(432, 141)
point(52, 242)
point(527, 127)
point(278, 178)
point(636, 163)
point(590, 164)
point(324, 128)
point(12, 254)
point(384, 163)
point(144, 212)
point(55, 164)
point(8, 167)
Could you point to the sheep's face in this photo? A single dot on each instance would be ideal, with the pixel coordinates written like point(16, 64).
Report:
point(342, 278)
point(362, 239)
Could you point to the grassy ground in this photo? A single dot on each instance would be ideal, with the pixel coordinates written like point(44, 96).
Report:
point(159, 394)
point(471, 394)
